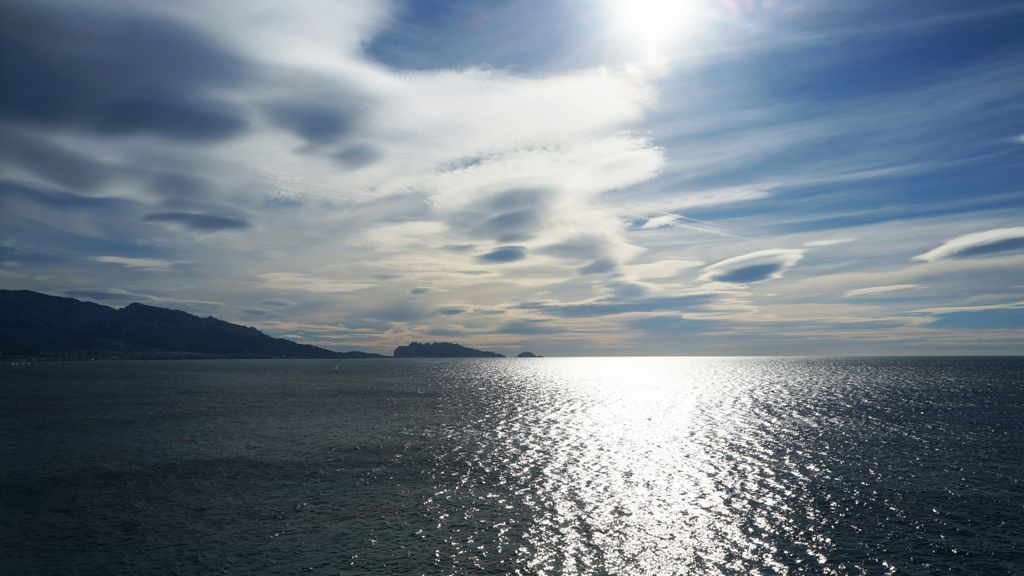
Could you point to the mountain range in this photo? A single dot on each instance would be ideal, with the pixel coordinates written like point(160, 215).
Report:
point(36, 325)
point(39, 325)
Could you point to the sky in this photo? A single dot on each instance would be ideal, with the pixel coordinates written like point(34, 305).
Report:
point(601, 177)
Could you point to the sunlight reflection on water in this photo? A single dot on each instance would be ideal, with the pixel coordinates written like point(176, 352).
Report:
point(670, 473)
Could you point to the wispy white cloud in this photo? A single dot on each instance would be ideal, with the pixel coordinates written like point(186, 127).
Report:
point(305, 283)
point(666, 268)
point(984, 243)
point(871, 290)
point(828, 242)
point(136, 263)
point(977, 308)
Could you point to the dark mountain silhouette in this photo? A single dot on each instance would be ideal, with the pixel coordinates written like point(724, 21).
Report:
point(441, 350)
point(39, 325)
point(528, 354)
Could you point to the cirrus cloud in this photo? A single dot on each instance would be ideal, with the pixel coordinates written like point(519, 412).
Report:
point(871, 290)
point(136, 263)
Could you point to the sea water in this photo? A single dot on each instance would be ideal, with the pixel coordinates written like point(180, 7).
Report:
point(645, 466)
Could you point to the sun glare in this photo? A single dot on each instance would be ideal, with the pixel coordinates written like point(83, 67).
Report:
point(655, 27)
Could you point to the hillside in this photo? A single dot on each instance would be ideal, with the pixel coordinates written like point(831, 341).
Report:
point(38, 325)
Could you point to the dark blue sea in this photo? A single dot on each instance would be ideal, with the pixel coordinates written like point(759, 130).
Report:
point(624, 466)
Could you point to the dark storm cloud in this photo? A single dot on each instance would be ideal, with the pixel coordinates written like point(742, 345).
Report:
point(113, 73)
point(504, 254)
point(452, 311)
point(52, 162)
point(201, 222)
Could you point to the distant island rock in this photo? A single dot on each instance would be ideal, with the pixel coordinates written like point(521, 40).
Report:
point(528, 354)
point(442, 350)
point(42, 326)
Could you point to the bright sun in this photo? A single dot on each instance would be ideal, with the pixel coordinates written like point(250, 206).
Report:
point(656, 26)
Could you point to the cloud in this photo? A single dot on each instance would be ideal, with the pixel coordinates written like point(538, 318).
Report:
point(304, 283)
point(53, 162)
point(603, 190)
point(358, 156)
point(977, 308)
point(977, 244)
point(531, 327)
point(504, 254)
point(598, 266)
point(666, 268)
point(616, 306)
point(582, 247)
point(317, 124)
point(828, 242)
point(201, 222)
point(753, 267)
point(514, 215)
point(60, 199)
point(277, 302)
point(458, 248)
point(663, 221)
point(119, 295)
point(115, 72)
point(878, 290)
point(179, 186)
point(136, 263)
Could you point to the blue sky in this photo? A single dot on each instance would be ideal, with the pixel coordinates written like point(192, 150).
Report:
point(569, 177)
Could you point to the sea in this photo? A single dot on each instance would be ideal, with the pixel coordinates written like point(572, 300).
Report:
point(548, 466)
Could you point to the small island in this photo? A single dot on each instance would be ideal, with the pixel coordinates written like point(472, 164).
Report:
point(528, 354)
point(442, 350)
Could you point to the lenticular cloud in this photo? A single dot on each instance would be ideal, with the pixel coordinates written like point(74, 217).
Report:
point(753, 267)
point(977, 244)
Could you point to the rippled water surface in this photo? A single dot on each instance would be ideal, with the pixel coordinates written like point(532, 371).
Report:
point(646, 466)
